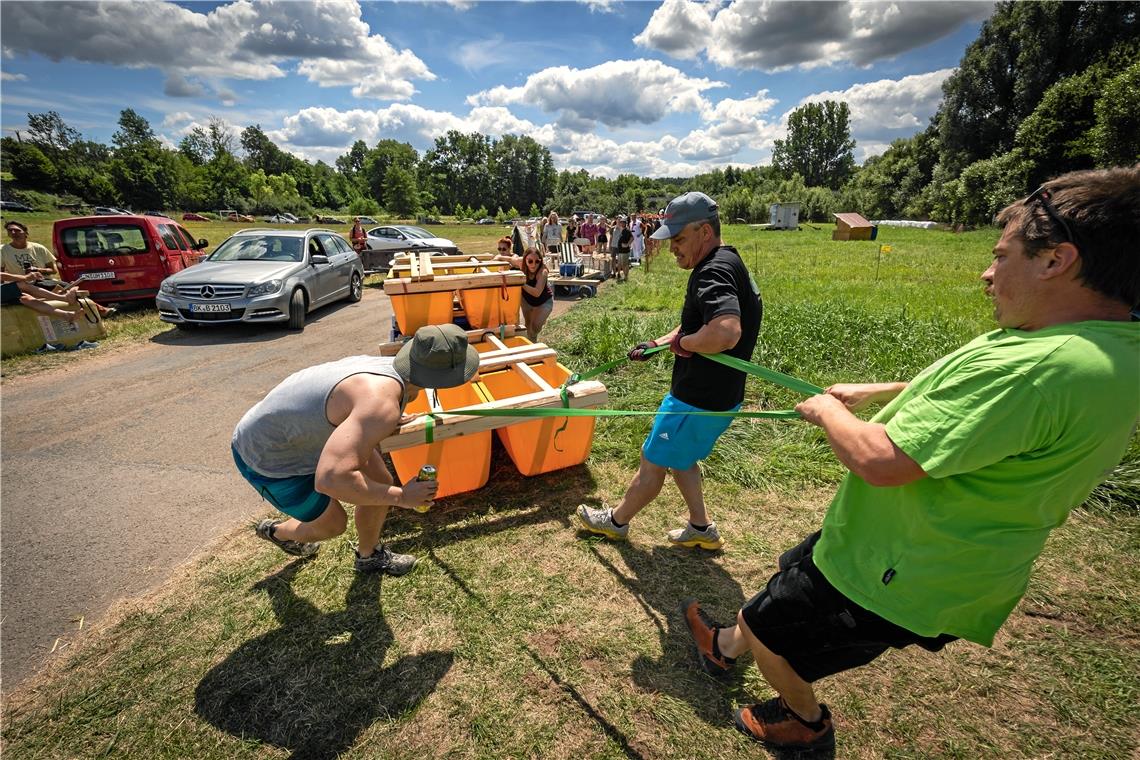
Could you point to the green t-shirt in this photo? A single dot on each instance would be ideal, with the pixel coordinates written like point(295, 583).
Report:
point(1014, 429)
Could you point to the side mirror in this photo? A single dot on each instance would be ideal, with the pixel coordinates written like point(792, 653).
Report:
point(318, 258)
point(402, 236)
point(202, 243)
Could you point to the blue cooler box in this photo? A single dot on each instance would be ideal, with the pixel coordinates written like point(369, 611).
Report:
point(570, 270)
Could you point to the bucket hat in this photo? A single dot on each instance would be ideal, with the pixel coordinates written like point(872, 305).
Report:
point(683, 211)
point(437, 356)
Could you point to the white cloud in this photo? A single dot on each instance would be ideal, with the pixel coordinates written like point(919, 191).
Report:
point(773, 36)
point(600, 6)
point(879, 109)
point(678, 27)
point(245, 39)
point(615, 93)
point(8, 77)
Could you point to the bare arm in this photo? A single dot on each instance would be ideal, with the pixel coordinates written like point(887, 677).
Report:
point(371, 417)
point(721, 334)
point(863, 447)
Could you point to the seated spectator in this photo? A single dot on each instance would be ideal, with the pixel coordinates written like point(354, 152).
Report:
point(20, 289)
point(21, 256)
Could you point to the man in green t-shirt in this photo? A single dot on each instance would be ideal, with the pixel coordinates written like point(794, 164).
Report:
point(956, 483)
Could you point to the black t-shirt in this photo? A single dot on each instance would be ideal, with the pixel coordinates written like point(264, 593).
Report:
point(719, 285)
point(624, 239)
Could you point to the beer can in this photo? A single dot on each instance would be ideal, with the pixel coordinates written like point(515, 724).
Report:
point(427, 472)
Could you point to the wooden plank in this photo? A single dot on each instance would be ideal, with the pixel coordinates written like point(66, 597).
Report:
point(473, 336)
point(489, 362)
point(533, 376)
point(404, 286)
point(583, 395)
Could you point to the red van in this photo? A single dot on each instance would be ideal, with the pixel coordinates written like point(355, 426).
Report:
point(124, 257)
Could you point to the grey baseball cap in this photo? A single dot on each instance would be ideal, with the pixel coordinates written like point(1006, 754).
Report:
point(684, 210)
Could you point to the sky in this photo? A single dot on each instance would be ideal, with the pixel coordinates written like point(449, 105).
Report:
point(672, 89)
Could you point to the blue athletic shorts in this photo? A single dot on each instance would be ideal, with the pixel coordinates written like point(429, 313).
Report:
point(295, 496)
point(680, 441)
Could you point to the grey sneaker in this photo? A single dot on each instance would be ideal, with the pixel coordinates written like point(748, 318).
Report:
point(266, 529)
point(384, 560)
point(709, 538)
point(601, 521)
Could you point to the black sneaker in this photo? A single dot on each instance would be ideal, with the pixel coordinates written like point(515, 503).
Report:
point(266, 529)
point(384, 560)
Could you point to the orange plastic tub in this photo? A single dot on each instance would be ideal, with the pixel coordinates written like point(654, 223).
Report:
point(462, 463)
point(415, 310)
point(537, 447)
point(491, 307)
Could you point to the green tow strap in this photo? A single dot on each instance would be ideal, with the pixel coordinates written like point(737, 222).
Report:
point(771, 375)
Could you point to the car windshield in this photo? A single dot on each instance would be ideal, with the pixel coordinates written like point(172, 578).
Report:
point(258, 248)
point(415, 232)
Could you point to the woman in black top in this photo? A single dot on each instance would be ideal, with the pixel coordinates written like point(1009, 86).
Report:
point(537, 297)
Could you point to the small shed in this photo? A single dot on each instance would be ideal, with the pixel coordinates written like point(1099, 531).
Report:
point(852, 226)
point(784, 216)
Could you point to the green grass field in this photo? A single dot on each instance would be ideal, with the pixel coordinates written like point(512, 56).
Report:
point(517, 637)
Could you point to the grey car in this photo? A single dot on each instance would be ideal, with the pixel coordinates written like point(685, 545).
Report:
point(263, 275)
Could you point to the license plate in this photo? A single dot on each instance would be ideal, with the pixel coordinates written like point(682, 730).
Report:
point(209, 307)
point(98, 275)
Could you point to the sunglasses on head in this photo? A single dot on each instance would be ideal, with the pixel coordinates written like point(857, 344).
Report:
point(1043, 196)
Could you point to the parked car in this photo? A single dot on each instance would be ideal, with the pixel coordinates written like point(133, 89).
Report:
point(123, 257)
point(156, 213)
point(486, 220)
point(110, 211)
point(367, 220)
point(429, 220)
point(406, 236)
point(192, 217)
point(282, 219)
point(330, 220)
point(14, 206)
point(264, 276)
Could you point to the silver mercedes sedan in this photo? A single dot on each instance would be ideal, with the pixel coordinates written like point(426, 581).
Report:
point(263, 275)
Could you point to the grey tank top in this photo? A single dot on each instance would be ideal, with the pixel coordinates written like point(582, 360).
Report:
point(285, 433)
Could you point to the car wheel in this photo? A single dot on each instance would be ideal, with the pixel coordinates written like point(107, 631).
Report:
point(297, 310)
point(355, 288)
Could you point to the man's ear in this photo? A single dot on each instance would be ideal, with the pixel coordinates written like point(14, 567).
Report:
point(1061, 260)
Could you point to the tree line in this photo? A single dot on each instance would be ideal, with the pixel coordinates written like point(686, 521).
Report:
point(1047, 87)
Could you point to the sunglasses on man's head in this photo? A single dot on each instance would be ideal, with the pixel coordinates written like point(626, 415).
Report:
point(1043, 196)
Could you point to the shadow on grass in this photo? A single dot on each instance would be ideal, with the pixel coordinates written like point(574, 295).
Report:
point(315, 683)
point(664, 577)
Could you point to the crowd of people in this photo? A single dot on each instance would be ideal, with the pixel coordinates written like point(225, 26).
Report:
point(596, 233)
point(951, 490)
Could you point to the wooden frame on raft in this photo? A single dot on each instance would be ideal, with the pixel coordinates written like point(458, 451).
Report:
point(584, 394)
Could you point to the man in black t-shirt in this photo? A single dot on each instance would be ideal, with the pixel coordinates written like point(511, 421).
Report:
point(722, 313)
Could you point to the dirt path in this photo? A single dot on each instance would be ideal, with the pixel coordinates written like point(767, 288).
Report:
point(117, 469)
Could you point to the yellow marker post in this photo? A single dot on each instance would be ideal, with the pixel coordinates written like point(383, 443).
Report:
point(884, 249)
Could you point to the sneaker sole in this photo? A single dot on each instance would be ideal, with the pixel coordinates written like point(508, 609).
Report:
point(601, 531)
point(823, 745)
point(697, 543)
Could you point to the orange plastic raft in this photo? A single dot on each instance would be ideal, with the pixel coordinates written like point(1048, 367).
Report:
point(545, 444)
point(513, 374)
point(491, 307)
point(462, 463)
point(423, 290)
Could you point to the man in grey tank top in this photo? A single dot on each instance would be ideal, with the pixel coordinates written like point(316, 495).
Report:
point(313, 441)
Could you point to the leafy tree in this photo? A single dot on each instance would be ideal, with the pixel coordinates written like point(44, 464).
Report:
point(51, 134)
point(29, 165)
point(400, 183)
point(262, 153)
point(818, 146)
point(386, 154)
point(1116, 136)
point(1022, 49)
